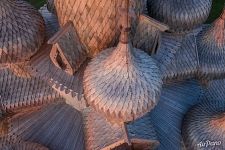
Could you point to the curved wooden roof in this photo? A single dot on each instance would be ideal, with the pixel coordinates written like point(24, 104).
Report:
point(124, 83)
point(96, 20)
point(176, 99)
point(17, 93)
point(205, 122)
point(101, 134)
point(58, 126)
point(211, 49)
point(180, 15)
point(22, 31)
point(22, 145)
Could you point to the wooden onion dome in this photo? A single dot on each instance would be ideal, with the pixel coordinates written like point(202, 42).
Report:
point(180, 15)
point(205, 121)
point(22, 31)
point(96, 21)
point(123, 82)
point(211, 47)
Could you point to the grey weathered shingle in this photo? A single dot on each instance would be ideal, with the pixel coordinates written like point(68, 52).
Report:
point(180, 15)
point(175, 100)
point(22, 31)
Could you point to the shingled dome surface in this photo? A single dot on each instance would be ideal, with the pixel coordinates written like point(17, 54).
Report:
point(180, 15)
point(211, 47)
point(96, 20)
point(22, 31)
point(205, 122)
point(122, 82)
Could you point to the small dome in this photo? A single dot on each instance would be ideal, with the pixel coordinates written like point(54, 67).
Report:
point(205, 123)
point(22, 31)
point(97, 21)
point(211, 49)
point(180, 15)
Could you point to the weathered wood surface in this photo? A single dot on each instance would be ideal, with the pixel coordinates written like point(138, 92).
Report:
point(16, 92)
point(68, 53)
point(42, 66)
point(180, 15)
point(51, 22)
point(22, 31)
point(178, 60)
point(101, 134)
point(211, 49)
point(148, 34)
point(176, 99)
point(169, 44)
point(22, 145)
point(123, 83)
point(58, 126)
point(205, 122)
point(96, 21)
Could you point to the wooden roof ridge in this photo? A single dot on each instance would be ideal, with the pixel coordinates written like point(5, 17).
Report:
point(101, 134)
point(151, 21)
point(112, 78)
point(18, 42)
point(205, 118)
point(17, 93)
point(57, 126)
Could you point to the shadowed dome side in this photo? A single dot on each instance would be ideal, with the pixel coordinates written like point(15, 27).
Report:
point(211, 49)
point(22, 145)
point(96, 21)
point(176, 99)
point(22, 31)
point(205, 122)
point(180, 15)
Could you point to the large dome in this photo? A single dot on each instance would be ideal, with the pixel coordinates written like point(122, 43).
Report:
point(22, 31)
point(96, 20)
point(180, 15)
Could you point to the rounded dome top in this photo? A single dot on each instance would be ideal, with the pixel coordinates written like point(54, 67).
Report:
point(180, 15)
point(205, 121)
point(22, 31)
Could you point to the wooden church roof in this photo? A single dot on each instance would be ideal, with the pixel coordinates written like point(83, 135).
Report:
point(180, 16)
point(123, 83)
point(97, 21)
point(211, 49)
point(57, 126)
point(203, 122)
point(176, 99)
point(23, 145)
point(22, 31)
point(16, 92)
